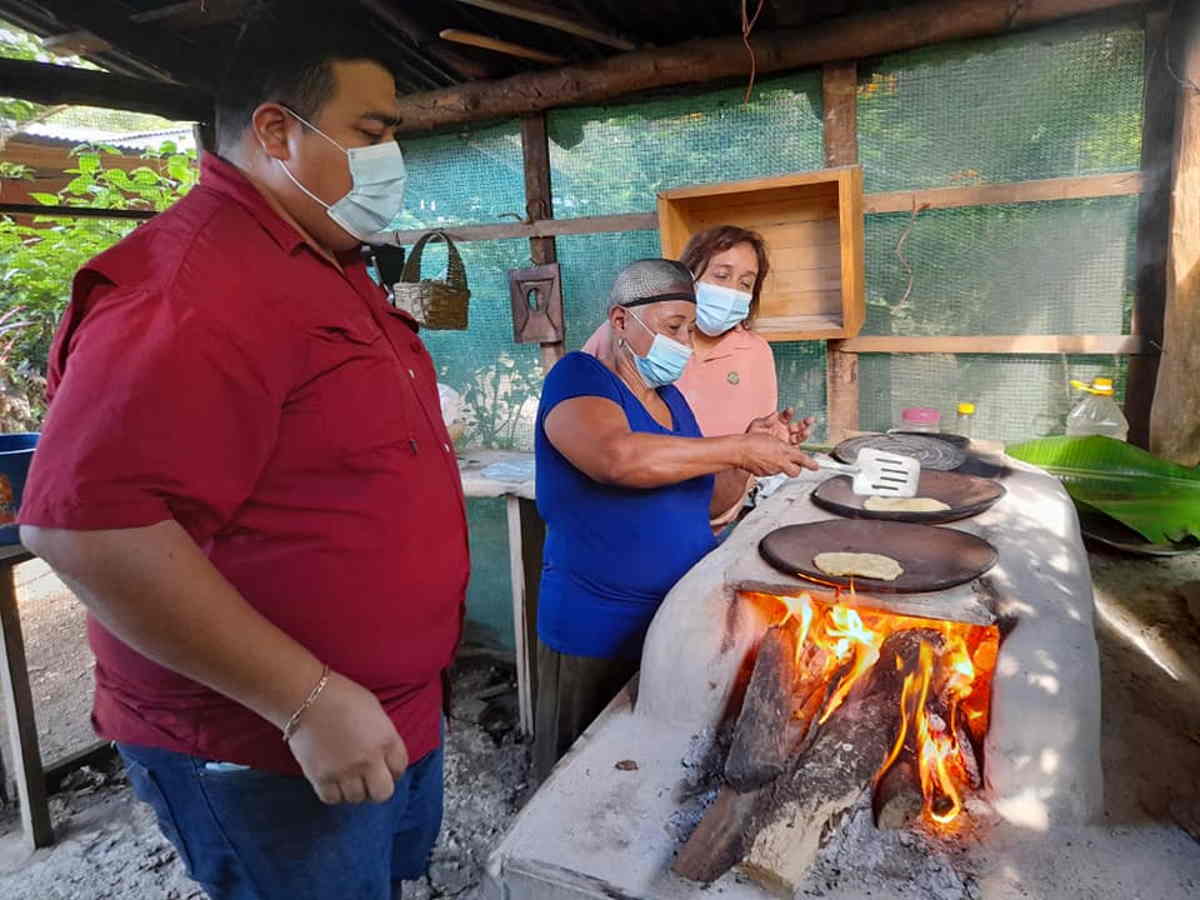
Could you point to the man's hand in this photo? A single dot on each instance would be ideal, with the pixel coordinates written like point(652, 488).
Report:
point(347, 746)
point(781, 424)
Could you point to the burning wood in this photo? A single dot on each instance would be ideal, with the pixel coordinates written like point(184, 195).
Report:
point(760, 739)
point(843, 701)
point(898, 801)
point(826, 782)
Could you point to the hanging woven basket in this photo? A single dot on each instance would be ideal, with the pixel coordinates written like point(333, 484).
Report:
point(439, 305)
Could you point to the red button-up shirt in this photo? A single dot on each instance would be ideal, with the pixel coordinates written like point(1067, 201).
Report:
point(214, 369)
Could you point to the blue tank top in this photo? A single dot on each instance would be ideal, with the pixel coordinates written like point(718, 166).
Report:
point(612, 553)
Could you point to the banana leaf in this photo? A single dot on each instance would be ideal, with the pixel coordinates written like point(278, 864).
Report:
point(1156, 498)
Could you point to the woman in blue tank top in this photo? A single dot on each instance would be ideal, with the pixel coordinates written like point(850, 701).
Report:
point(625, 484)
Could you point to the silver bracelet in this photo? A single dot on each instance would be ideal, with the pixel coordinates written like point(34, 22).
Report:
point(293, 723)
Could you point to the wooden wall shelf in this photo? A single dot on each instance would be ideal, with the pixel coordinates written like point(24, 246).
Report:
point(813, 225)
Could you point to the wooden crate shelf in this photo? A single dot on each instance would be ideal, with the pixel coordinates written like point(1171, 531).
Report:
point(812, 223)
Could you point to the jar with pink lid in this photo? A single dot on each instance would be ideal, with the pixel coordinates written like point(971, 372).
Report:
point(924, 419)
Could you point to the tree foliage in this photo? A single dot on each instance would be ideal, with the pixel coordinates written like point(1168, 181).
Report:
point(38, 262)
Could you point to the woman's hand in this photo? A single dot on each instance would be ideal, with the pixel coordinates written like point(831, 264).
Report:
point(780, 424)
point(763, 455)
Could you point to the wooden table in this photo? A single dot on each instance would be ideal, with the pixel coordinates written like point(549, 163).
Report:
point(18, 707)
point(526, 534)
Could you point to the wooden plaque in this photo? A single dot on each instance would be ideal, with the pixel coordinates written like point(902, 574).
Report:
point(537, 304)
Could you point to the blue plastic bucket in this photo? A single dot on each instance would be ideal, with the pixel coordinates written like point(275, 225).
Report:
point(16, 452)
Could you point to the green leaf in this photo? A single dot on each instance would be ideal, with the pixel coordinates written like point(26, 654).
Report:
point(89, 163)
point(1156, 498)
point(178, 167)
point(117, 178)
point(45, 199)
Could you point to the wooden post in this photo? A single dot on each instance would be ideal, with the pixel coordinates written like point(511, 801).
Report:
point(1153, 225)
point(526, 534)
point(18, 708)
point(535, 150)
point(1175, 419)
point(839, 96)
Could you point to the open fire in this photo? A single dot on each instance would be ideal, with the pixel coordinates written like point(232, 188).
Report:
point(844, 702)
point(944, 695)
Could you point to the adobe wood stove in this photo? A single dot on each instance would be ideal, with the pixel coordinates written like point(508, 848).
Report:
point(788, 738)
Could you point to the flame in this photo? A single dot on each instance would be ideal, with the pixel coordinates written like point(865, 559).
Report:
point(845, 632)
point(935, 750)
point(959, 675)
point(799, 608)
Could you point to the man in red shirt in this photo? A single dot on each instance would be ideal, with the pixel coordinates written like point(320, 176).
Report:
point(245, 477)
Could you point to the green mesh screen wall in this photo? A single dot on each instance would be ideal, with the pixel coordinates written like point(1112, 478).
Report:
point(477, 177)
point(1063, 267)
point(1016, 397)
point(615, 159)
point(589, 263)
point(472, 177)
point(800, 367)
point(1054, 102)
point(1057, 102)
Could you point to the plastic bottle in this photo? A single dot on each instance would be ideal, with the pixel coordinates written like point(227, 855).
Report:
point(1097, 412)
point(964, 423)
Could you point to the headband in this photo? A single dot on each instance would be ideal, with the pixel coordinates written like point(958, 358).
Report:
point(657, 298)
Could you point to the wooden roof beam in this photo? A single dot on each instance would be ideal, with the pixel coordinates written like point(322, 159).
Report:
point(552, 18)
point(482, 41)
point(847, 38)
point(449, 66)
point(76, 43)
point(53, 85)
point(110, 21)
point(193, 13)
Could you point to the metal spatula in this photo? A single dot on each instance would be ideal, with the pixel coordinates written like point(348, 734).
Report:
point(878, 473)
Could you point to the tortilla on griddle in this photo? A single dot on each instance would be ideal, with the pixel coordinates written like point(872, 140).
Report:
point(904, 504)
point(864, 565)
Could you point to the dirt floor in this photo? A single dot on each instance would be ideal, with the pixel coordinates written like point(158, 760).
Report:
point(60, 663)
point(1148, 627)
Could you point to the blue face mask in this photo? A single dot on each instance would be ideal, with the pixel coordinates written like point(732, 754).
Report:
point(664, 362)
point(719, 308)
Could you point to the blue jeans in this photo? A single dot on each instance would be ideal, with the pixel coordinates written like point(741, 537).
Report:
point(250, 835)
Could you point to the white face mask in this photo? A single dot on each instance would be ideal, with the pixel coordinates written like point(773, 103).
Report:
point(719, 308)
point(376, 195)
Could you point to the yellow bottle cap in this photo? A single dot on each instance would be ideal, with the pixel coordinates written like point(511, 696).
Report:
point(1101, 386)
point(966, 409)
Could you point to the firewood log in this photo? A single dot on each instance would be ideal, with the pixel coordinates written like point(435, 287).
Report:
point(898, 801)
point(828, 780)
point(758, 754)
point(722, 838)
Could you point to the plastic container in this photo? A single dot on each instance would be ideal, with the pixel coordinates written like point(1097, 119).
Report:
point(964, 421)
point(16, 452)
point(1097, 412)
point(919, 418)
